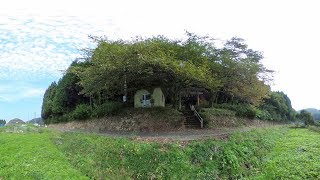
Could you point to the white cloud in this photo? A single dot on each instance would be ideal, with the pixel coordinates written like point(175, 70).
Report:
point(17, 92)
point(40, 46)
point(39, 38)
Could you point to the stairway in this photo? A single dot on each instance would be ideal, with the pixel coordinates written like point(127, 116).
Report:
point(191, 122)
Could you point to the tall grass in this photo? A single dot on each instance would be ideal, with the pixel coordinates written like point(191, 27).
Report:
point(100, 157)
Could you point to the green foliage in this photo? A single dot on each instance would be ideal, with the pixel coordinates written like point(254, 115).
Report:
point(263, 115)
point(295, 156)
point(306, 117)
point(208, 113)
point(121, 158)
point(32, 155)
point(259, 154)
point(232, 74)
point(82, 112)
point(174, 65)
point(47, 104)
point(315, 113)
point(242, 74)
point(315, 128)
point(107, 108)
point(217, 112)
point(277, 107)
point(162, 112)
point(67, 94)
point(2, 122)
point(144, 63)
point(242, 110)
point(61, 98)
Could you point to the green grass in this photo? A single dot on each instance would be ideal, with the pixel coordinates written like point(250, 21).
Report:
point(295, 156)
point(98, 156)
point(32, 155)
point(272, 153)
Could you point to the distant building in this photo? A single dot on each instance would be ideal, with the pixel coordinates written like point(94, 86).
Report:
point(144, 98)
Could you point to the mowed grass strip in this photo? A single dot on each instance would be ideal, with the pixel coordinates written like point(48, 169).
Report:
point(295, 156)
point(33, 156)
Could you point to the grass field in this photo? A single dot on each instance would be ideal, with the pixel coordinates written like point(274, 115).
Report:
point(32, 155)
point(295, 156)
point(284, 153)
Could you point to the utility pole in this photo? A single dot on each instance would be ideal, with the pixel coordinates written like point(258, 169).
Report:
point(125, 89)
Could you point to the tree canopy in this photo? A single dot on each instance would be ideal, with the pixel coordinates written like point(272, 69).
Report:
point(231, 74)
point(306, 117)
point(278, 107)
point(235, 70)
point(2, 122)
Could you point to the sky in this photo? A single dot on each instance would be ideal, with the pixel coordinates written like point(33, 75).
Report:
point(39, 39)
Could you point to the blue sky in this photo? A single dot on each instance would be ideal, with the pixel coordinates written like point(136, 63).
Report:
point(39, 39)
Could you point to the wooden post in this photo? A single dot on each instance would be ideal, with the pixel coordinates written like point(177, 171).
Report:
point(198, 100)
point(180, 101)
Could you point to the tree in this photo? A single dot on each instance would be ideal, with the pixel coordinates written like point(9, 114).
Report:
point(62, 97)
point(2, 122)
point(278, 105)
point(306, 117)
point(243, 76)
point(47, 103)
point(231, 74)
point(143, 64)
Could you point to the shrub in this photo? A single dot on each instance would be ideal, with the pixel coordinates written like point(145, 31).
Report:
point(206, 112)
point(263, 115)
point(242, 110)
point(107, 108)
point(81, 112)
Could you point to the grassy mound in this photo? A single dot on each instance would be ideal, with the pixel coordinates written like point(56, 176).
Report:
point(216, 117)
point(100, 157)
point(131, 119)
point(269, 153)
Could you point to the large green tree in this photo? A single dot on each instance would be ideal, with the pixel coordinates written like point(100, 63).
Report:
point(231, 74)
point(278, 105)
point(306, 117)
point(47, 104)
point(146, 63)
point(62, 97)
point(242, 74)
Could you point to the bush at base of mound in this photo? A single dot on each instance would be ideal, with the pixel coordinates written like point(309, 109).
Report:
point(131, 120)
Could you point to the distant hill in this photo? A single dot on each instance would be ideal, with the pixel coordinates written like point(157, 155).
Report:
point(15, 122)
point(315, 113)
point(36, 120)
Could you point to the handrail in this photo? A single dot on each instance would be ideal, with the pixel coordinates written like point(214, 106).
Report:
point(197, 115)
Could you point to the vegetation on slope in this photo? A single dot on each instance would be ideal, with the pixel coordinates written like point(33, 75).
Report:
point(231, 74)
point(232, 77)
point(35, 153)
point(122, 158)
point(159, 119)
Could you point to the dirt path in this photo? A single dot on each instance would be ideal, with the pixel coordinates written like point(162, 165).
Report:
point(182, 135)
